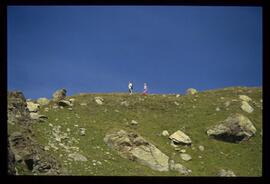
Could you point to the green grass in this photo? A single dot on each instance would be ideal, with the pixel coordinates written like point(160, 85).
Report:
point(156, 113)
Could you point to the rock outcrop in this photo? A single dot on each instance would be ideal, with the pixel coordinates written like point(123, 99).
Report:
point(235, 128)
point(27, 152)
point(132, 146)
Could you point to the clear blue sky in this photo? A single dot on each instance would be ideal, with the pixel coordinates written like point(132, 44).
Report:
point(98, 49)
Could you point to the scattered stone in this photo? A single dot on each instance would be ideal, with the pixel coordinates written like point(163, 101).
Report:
point(43, 101)
point(165, 133)
point(199, 156)
point(77, 157)
point(116, 110)
point(246, 107)
point(217, 109)
point(176, 103)
point(59, 95)
point(61, 107)
point(68, 130)
point(193, 106)
point(51, 125)
point(70, 108)
point(99, 100)
point(83, 104)
point(235, 128)
point(125, 103)
point(180, 137)
point(76, 125)
point(178, 167)
point(245, 98)
point(82, 131)
point(224, 173)
point(46, 148)
point(185, 156)
point(46, 109)
point(222, 98)
point(36, 116)
point(32, 107)
point(227, 103)
point(201, 148)
point(183, 151)
point(55, 107)
point(164, 95)
point(133, 122)
point(177, 96)
point(191, 91)
point(261, 101)
point(132, 146)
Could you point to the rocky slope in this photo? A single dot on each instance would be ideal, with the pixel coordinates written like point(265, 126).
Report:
point(210, 133)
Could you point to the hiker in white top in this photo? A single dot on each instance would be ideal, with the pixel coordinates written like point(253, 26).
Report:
point(145, 89)
point(130, 87)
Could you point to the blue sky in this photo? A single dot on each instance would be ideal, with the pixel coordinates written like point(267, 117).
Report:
point(98, 49)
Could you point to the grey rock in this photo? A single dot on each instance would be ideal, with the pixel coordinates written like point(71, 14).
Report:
point(165, 133)
point(43, 101)
point(133, 122)
point(99, 100)
point(178, 167)
point(185, 156)
point(132, 146)
point(125, 103)
point(32, 107)
point(246, 107)
point(235, 128)
point(59, 95)
point(180, 137)
point(224, 173)
point(201, 148)
point(191, 91)
point(245, 98)
point(77, 157)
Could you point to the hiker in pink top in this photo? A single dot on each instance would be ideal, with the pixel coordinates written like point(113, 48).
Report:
point(145, 89)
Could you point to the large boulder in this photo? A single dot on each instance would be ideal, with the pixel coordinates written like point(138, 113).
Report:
point(191, 91)
point(132, 146)
point(59, 95)
point(235, 128)
point(43, 101)
point(246, 107)
point(180, 137)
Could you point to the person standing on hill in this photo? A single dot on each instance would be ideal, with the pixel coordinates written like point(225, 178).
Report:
point(130, 87)
point(145, 89)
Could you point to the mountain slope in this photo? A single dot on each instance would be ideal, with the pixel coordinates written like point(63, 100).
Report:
point(192, 114)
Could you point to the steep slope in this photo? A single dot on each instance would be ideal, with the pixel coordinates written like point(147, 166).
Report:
point(75, 135)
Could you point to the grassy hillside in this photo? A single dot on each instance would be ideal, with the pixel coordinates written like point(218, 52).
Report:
point(192, 114)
